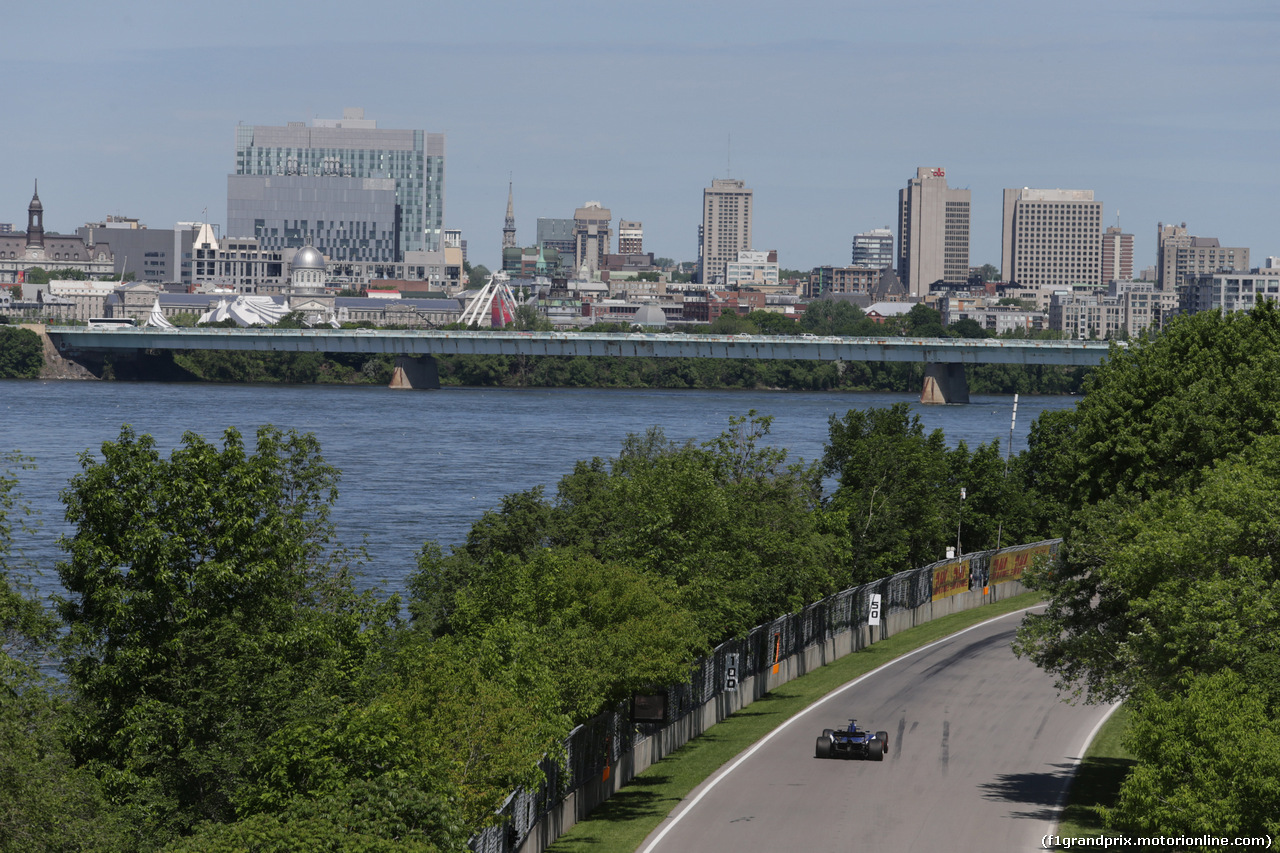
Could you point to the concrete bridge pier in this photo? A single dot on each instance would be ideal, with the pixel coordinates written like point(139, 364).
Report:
point(944, 383)
point(416, 373)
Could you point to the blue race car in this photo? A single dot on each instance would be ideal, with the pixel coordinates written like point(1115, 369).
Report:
point(852, 742)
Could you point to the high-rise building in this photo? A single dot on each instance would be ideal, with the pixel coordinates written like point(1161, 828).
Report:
point(345, 219)
point(335, 156)
point(725, 229)
point(873, 249)
point(630, 238)
point(592, 235)
point(1051, 238)
point(1117, 255)
point(933, 232)
point(1180, 255)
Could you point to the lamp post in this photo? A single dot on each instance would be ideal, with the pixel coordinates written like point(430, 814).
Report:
point(959, 518)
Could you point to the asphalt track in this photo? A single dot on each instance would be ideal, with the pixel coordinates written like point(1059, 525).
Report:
point(981, 752)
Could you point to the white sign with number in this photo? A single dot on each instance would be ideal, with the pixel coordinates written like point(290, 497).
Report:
point(731, 673)
point(874, 618)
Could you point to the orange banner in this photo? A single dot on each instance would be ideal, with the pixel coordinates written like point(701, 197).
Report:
point(1009, 565)
point(950, 579)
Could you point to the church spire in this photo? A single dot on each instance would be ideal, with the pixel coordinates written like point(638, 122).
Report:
point(35, 220)
point(509, 227)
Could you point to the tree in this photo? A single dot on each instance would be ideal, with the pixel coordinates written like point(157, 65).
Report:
point(967, 328)
point(206, 610)
point(21, 353)
point(47, 803)
point(477, 277)
point(773, 323)
point(731, 323)
point(664, 263)
point(924, 322)
point(895, 485)
point(1158, 412)
point(989, 272)
point(1208, 763)
point(1147, 593)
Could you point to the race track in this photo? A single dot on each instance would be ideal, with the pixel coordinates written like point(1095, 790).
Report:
point(981, 750)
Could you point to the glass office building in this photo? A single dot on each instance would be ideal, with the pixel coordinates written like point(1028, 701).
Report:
point(328, 151)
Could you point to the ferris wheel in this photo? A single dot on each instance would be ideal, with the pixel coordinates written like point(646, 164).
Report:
point(494, 306)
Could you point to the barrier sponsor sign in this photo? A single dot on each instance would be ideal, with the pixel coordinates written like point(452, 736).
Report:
point(950, 579)
point(873, 618)
point(1009, 565)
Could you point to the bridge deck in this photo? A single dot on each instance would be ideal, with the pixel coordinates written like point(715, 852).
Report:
point(74, 339)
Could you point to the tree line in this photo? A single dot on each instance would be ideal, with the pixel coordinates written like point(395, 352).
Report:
point(1163, 482)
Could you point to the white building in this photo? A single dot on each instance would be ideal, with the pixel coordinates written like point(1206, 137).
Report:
point(751, 269)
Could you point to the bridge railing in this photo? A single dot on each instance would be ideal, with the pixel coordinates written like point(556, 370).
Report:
point(601, 755)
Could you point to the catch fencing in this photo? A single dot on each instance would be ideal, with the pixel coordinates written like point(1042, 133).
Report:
point(603, 754)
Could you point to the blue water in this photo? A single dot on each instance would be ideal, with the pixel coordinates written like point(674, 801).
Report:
point(424, 465)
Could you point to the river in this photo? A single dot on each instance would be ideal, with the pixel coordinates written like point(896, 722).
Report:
point(424, 465)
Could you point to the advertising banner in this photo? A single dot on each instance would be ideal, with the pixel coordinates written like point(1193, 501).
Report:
point(1009, 565)
point(950, 579)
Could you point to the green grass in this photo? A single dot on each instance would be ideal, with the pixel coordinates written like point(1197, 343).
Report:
point(1098, 778)
point(626, 819)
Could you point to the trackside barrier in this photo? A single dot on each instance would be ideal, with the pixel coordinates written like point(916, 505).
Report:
point(606, 752)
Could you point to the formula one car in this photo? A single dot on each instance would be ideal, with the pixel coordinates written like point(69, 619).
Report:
point(852, 742)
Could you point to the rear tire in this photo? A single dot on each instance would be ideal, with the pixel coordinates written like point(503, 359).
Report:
point(823, 748)
point(884, 738)
point(875, 750)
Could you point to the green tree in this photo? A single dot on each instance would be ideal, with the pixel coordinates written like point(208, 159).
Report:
point(1208, 763)
point(967, 328)
point(21, 353)
point(835, 317)
point(47, 803)
point(477, 277)
point(895, 485)
point(732, 323)
point(206, 610)
point(923, 321)
point(989, 272)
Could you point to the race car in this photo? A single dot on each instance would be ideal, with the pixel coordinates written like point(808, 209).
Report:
point(852, 742)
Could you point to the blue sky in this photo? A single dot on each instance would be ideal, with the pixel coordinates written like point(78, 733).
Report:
point(1169, 111)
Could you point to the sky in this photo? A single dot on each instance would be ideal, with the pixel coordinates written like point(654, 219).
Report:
point(1169, 111)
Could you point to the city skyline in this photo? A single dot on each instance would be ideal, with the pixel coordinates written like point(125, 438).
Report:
point(1125, 102)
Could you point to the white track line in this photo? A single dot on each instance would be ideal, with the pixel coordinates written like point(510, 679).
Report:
point(716, 781)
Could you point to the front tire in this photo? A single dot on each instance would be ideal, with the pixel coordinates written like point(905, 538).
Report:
point(823, 747)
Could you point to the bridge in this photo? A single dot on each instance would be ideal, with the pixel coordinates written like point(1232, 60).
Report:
point(944, 358)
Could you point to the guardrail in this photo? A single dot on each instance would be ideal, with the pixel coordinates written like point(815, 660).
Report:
point(603, 754)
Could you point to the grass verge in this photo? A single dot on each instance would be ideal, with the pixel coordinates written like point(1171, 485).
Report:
point(1098, 778)
point(626, 819)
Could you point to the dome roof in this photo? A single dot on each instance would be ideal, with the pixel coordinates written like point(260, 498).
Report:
point(650, 315)
point(308, 258)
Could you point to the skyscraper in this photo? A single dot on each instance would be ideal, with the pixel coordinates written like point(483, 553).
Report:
point(725, 229)
point(873, 249)
point(1117, 255)
point(1051, 238)
point(592, 235)
point(630, 238)
point(933, 232)
point(1180, 255)
point(329, 155)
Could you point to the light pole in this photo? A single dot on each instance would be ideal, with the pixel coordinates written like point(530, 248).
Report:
point(959, 518)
